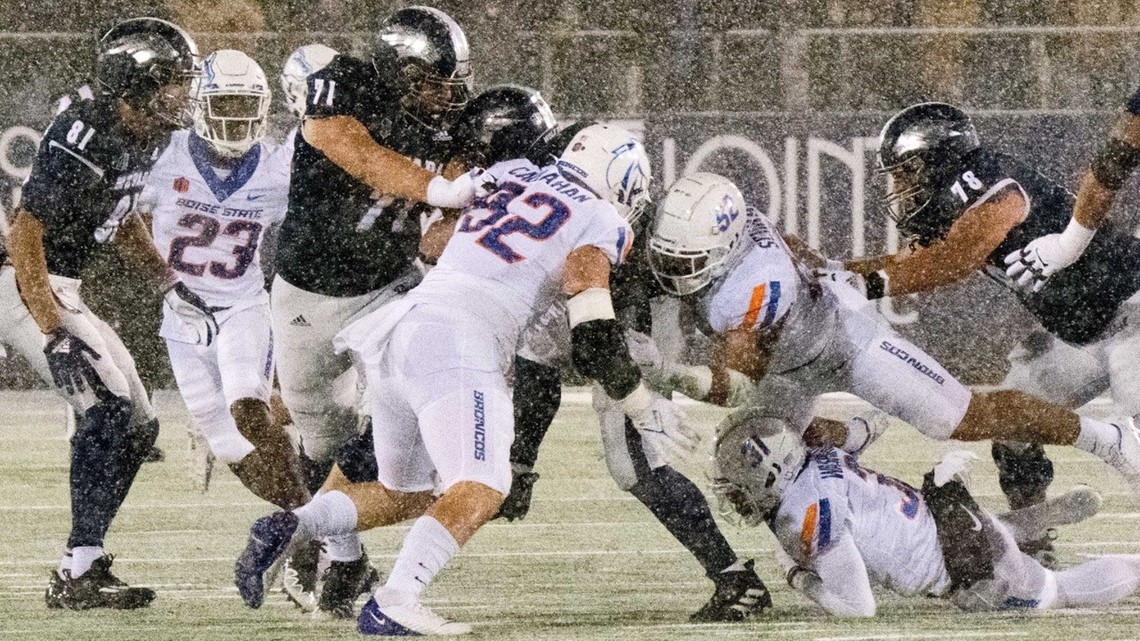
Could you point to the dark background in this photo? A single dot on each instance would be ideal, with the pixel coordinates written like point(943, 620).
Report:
point(1043, 77)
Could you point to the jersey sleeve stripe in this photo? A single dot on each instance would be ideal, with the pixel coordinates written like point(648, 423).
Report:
point(755, 304)
point(622, 246)
point(773, 303)
point(807, 533)
point(824, 524)
point(90, 165)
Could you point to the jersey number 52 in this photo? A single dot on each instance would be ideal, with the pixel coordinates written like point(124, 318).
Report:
point(499, 223)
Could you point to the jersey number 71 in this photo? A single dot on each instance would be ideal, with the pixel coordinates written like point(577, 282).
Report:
point(500, 224)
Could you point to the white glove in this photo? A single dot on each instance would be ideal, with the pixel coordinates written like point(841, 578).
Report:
point(192, 311)
point(661, 421)
point(857, 281)
point(458, 193)
point(953, 465)
point(864, 430)
point(1045, 256)
point(643, 350)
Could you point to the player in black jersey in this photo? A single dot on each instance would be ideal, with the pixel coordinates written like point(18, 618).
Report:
point(968, 208)
point(373, 139)
point(88, 171)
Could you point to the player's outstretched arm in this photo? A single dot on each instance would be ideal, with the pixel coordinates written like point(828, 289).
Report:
point(1113, 164)
point(346, 142)
point(972, 238)
point(838, 580)
point(26, 251)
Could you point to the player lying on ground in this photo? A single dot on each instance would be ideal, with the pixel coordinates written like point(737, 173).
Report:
point(842, 528)
point(87, 174)
point(796, 336)
point(212, 195)
point(436, 363)
point(969, 208)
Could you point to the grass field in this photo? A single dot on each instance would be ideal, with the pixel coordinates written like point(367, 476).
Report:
point(589, 562)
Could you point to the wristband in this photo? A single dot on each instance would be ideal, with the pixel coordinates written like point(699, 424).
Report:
point(588, 305)
point(1076, 237)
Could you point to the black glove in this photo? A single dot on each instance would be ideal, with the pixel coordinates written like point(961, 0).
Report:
point(517, 503)
point(71, 371)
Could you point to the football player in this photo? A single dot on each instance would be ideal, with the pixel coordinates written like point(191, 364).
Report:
point(843, 528)
point(87, 175)
point(212, 194)
point(795, 336)
point(436, 363)
point(970, 208)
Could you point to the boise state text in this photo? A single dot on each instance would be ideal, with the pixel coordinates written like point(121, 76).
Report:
point(228, 212)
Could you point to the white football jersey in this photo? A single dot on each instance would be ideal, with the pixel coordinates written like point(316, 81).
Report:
point(504, 263)
point(208, 226)
point(888, 520)
point(766, 289)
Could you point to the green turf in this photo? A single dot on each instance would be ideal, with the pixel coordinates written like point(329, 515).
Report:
point(588, 563)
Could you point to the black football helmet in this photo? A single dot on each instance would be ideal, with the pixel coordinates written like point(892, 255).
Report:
point(428, 52)
point(920, 149)
point(501, 123)
point(151, 64)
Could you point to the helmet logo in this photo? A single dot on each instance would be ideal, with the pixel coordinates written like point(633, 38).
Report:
point(728, 213)
point(181, 185)
point(754, 451)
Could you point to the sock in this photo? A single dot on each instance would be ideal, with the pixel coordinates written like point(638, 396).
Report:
point(1096, 437)
point(343, 547)
point(1103, 580)
point(679, 505)
point(98, 470)
point(330, 514)
point(65, 562)
point(427, 548)
point(82, 557)
point(735, 567)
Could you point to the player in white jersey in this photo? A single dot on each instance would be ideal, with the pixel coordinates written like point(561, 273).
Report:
point(843, 528)
point(436, 363)
point(796, 336)
point(212, 194)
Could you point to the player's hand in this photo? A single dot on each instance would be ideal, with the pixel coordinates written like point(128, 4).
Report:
point(1033, 265)
point(193, 311)
point(643, 350)
point(954, 465)
point(857, 281)
point(458, 193)
point(517, 503)
point(662, 422)
point(69, 359)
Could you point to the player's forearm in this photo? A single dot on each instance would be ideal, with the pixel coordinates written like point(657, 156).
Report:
point(26, 251)
point(1094, 202)
point(135, 244)
point(347, 143)
point(930, 268)
point(696, 382)
point(869, 265)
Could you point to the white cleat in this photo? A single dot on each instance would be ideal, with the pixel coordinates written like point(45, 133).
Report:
point(388, 614)
point(1031, 523)
point(201, 460)
point(1124, 454)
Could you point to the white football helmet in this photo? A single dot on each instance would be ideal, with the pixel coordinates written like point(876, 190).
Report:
point(301, 64)
point(231, 102)
point(613, 164)
point(756, 459)
point(697, 228)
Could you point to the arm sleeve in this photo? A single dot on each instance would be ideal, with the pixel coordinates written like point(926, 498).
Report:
point(840, 583)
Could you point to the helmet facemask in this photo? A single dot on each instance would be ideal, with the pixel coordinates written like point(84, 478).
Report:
point(232, 122)
point(908, 188)
point(682, 271)
point(431, 99)
point(755, 462)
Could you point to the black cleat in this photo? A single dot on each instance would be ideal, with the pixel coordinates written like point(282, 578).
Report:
point(97, 588)
point(739, 595)
point(517, 503)
point(344, 581)
point(154, 455)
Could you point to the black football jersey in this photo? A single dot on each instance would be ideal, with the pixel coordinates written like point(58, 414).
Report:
point(338, 239)
point(85, 180)
point(1079, 301)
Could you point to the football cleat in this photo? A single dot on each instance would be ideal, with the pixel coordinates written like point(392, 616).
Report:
point(299, 576)
point(201, 460)
point(269, 540)
point(517, 503)
point(739, 595)
point(344, 581)
point(386, 615)
point(96, 588)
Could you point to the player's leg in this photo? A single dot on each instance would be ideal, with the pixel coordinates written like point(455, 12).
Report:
point(898, 377)
point(1102, 580)
point(679, 505)
point(245, 365)
point(303, 328)
point(537, 396)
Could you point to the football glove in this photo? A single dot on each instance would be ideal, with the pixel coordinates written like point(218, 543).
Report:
point(954, 465)
point(69, 359)
point(851, 278)
point(662, 422)
point(193, 311)
point(458, 193)
point(1033, 265)
point(517, 503)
